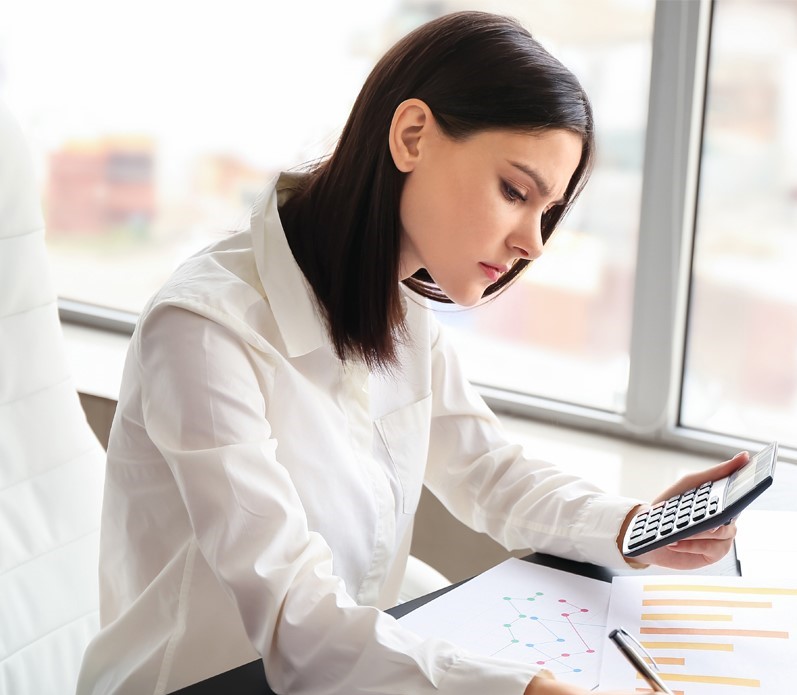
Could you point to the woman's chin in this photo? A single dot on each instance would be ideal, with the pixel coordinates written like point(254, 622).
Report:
point(466, 299)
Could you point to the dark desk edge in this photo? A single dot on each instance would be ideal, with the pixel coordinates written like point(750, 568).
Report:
point(728, 566)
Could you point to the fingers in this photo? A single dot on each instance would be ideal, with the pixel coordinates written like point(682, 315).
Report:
point(707, 548)
point(688, 555)
point(703, 541)
point(716, 534)
point(699, 550)
point(702, 550)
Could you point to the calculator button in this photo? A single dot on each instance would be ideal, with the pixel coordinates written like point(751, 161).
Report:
point(666, 529)
point(699, 514)
point(641, 541)
point(682, 521)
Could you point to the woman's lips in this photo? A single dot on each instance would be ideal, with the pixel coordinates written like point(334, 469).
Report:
point(493, 272)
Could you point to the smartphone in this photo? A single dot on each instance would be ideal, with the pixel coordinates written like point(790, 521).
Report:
point(705, 507)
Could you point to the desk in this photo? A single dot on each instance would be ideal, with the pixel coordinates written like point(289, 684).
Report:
point(782, 496)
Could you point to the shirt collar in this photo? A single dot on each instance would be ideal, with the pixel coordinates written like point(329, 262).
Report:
point(287, 290)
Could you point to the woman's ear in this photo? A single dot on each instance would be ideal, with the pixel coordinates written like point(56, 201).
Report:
point(411, 125)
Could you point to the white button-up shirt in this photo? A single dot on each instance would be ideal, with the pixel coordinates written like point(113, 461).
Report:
point(260, 492)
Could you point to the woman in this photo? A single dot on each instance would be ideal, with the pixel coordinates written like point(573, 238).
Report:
point(285, 397)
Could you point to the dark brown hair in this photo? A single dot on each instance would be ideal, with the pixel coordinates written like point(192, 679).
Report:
point(476, 72)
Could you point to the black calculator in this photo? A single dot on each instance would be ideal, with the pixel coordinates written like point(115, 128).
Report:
point(702, 508)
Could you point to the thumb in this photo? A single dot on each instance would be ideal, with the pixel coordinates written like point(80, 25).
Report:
point(723, 469)
point(714, 473)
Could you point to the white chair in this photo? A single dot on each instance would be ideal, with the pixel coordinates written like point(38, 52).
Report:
point(51, 464)
point(420, 579)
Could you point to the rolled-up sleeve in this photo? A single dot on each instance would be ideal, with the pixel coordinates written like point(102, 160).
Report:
point(492, 486)
point(204, 407)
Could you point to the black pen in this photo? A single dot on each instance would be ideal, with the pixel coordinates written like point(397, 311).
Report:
point(623, 640)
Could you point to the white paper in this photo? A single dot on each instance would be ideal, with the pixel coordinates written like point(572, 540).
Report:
point(765, 544)
point(524, 612)
point(709, 635)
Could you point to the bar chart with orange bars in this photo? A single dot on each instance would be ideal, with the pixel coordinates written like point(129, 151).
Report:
point(707, 635)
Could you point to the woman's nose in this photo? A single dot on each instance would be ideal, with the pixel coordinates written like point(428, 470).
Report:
point(527, 242)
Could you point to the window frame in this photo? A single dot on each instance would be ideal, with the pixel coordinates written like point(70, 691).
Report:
point(673, 143)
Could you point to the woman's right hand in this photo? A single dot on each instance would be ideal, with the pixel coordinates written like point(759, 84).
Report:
point(549, 686)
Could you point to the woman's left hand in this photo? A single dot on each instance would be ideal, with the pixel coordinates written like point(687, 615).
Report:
point(703, 548)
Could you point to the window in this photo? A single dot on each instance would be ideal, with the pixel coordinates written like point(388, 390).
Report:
point(154, 140)
point(664, 308)
point(741, 359)
point(153, 127)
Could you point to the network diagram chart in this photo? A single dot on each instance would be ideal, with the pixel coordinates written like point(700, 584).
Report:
point(525, 613)
point(554, 633)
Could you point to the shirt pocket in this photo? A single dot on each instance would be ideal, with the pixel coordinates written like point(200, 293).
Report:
point(405, 434)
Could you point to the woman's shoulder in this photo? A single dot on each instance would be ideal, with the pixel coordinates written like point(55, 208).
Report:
point(221, 284)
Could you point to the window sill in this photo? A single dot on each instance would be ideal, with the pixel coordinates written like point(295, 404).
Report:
point(96, 358)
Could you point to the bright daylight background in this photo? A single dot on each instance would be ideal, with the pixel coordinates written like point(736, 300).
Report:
point(155, 124)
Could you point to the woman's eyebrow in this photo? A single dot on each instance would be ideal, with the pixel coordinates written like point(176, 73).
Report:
point(543, 186)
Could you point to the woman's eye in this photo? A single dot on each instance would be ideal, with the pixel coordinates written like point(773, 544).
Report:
point(511, 193)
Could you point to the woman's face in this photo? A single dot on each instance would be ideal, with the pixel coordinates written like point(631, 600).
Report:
point(470, 208)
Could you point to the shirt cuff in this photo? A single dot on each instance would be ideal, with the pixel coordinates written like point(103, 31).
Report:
point(598, 525)
point(476, 675)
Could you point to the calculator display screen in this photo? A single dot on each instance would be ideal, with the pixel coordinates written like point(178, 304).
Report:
point(746, 478)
